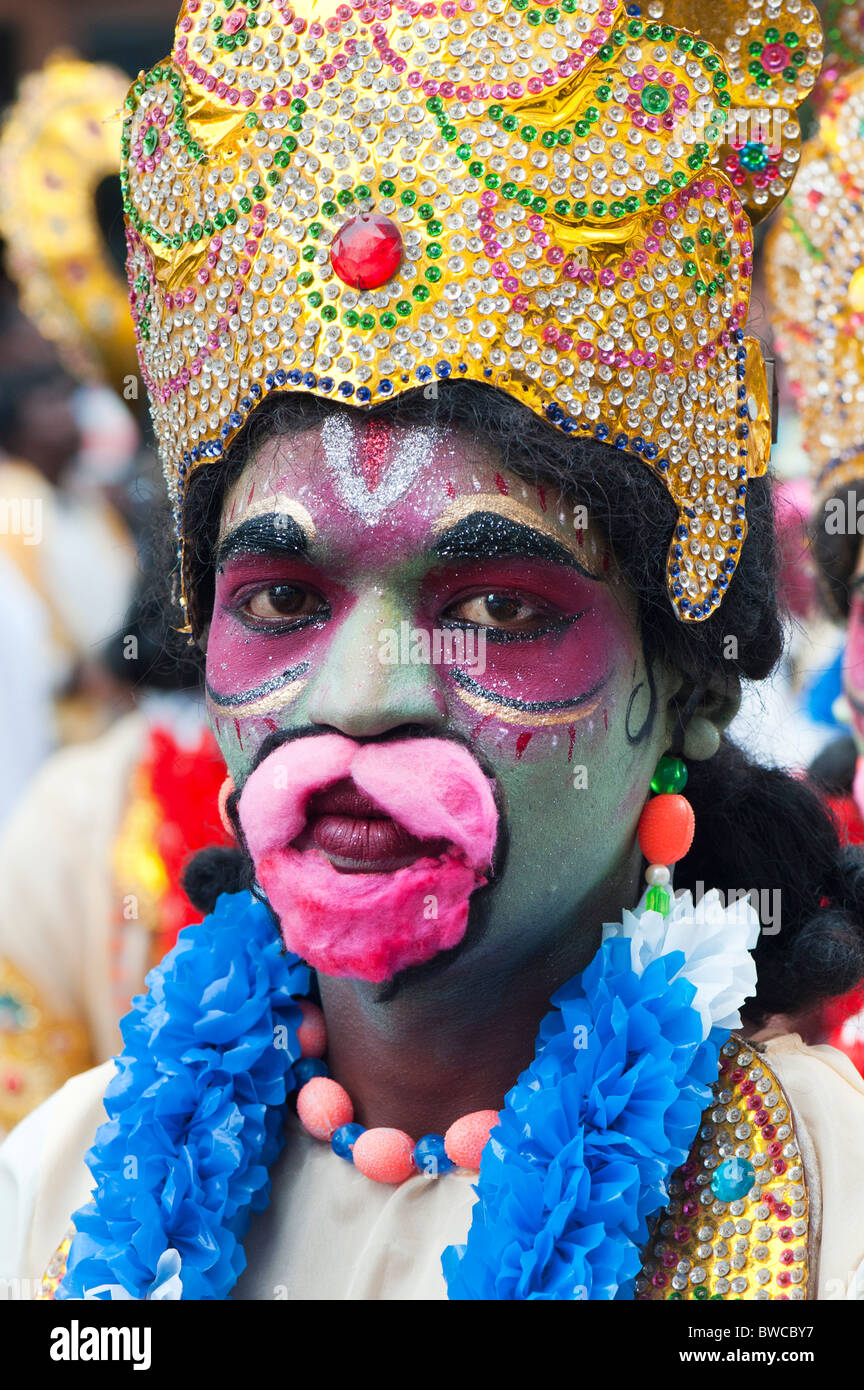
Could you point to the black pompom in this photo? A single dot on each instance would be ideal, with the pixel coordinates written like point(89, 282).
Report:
point(833, 770)
point(213, 871)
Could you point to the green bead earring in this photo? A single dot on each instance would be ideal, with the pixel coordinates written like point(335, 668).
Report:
point(670, 775)
point(666, 829)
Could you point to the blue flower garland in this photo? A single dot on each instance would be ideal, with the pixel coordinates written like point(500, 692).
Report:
point(589, 1137)
point(195, 1112)
point(579, 1162)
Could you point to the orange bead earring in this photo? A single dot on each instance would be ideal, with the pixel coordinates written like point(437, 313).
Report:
point(666, 829)
point(226, 789)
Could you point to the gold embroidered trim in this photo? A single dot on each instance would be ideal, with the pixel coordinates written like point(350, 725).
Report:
point(754, 1248)
point(38, 1051)
point(56, 1268)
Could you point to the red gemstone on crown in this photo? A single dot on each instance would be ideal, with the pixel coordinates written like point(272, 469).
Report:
point(367, 251)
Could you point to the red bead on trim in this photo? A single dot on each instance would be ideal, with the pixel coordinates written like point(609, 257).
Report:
point(367, 251)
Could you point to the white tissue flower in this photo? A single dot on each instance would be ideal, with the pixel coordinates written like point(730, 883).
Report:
point(166, 1286)
point(716, 941)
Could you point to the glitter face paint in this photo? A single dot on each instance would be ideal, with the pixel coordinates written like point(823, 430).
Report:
point(356, 531)
point(524, 681)
point(370, 473)
point(461, 532)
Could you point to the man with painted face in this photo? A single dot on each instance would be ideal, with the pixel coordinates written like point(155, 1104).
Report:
point(443, 334)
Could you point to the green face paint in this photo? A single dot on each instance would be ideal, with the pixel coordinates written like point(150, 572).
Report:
point(375, 579)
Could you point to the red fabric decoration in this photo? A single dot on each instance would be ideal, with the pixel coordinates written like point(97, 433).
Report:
point(184, 782)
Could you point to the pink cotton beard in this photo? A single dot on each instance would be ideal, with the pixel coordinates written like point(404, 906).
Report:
point(371, 926)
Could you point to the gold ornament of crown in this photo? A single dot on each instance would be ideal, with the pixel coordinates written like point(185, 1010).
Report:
point(59, 141)
point(353, 200)
point(816, 286)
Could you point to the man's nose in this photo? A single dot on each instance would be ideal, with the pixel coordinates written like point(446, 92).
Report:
point(368, 685)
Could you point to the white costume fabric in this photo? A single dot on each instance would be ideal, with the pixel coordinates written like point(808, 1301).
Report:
point(330, 1233)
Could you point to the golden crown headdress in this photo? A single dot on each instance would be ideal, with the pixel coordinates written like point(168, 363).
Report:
point(59, 141)
point(816, 284)
point(354, 199)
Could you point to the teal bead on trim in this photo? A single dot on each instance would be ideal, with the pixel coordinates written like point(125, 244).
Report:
point(733, 1179)
point(669, 776)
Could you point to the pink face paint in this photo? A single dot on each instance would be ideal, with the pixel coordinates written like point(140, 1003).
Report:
point(370, 925)
point(374, 452)
point(245, 663)
point(562, 664)
point(373, 505)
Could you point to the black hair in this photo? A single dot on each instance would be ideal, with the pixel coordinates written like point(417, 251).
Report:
point(160, 657)
point(833, 769)
point(147, 652)
point(213, 871)
point(756, 828)
point(835, 550)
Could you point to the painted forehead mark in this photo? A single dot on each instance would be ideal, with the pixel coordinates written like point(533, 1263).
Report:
point(512, 510)
point(271, 504)
point(264, 698)
point(370, 472)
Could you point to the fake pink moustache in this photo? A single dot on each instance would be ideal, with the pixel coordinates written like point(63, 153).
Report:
point(371, 925)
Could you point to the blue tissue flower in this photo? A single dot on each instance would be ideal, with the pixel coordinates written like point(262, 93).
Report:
point(195, 1111)
point(578, 1163)
point(589, 1137)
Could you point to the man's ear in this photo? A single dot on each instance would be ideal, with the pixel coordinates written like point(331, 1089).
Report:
point(699, 714)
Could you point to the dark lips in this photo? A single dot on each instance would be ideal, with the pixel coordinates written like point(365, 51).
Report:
point(357, 836)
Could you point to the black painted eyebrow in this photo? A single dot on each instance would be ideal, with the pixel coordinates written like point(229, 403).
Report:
point(273, 534)
point(488, 535)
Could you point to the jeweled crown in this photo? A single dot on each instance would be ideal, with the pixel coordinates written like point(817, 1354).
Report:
point(816, 283)
point(59, 141)
point(353, 200)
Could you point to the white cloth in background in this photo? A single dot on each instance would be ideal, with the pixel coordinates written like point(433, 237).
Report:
point(58, 895)
point(773, 727)
point(26, 695)
point(90, 570)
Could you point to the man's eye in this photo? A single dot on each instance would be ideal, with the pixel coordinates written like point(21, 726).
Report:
point(284, 601)
point(498, 610)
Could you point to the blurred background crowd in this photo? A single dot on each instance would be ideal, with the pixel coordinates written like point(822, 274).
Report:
point(108, 775)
